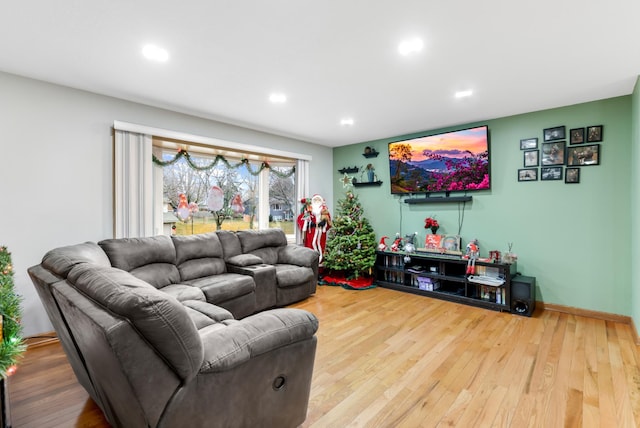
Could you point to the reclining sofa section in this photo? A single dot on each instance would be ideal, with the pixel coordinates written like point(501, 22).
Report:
point(168, 332)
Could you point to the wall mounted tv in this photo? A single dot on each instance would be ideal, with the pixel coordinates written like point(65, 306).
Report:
point(456, 161)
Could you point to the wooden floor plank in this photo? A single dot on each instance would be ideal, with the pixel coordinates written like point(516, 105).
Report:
point(392, 359)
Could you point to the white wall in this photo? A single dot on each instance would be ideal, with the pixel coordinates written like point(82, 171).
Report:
point(56, 169)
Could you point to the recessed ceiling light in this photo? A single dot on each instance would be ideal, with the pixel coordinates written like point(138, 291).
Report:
point(278, 98)
point(155, 53)
point(410, 46)
point(464, 94)
point(346, 121)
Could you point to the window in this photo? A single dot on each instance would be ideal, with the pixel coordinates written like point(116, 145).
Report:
point(211, 189)
point(257, 177)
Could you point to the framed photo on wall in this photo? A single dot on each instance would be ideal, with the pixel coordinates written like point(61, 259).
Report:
point(553, 153)
point(528, 174)
point(551, 173)
point(529, 143)
point(572, 175)
point(554, 134)
point(576, 136)
point(531, 158)
point(583, 155)
point(594, 133)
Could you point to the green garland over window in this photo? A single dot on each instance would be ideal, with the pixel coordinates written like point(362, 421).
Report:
point(11, 345)
point(219, 158)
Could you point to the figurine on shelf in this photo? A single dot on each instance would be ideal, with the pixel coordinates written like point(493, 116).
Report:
point(397, 244)
point(382, 246)
point(509, 257)
point(410, 246)
point(473, 251)
point(371, 173)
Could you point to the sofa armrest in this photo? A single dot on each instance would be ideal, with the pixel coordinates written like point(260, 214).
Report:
point(298, 255)
point(243, 260)
point(228, 347)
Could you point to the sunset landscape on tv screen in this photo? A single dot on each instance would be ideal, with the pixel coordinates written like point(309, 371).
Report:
point(447, 162)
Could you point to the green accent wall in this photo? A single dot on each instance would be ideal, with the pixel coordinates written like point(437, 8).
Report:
point(574, 238)
point(635, 204)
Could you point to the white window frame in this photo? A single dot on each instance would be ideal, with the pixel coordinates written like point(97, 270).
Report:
point(302, 171)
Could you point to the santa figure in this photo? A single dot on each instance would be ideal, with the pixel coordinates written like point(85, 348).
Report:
point(314, 221)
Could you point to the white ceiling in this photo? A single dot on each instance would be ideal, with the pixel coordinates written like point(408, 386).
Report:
point(333, 59)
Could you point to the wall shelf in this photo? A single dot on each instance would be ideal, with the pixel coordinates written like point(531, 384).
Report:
point(373, 154)
point(437, 199)
point(348, 170)
point(367, 183)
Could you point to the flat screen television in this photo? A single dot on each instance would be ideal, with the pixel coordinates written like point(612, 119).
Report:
point(456, 161)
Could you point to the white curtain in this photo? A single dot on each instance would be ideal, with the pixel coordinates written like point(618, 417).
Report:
point(134, 186)
point(302, 188)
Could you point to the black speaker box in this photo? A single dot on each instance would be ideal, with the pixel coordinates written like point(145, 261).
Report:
point(523, 295)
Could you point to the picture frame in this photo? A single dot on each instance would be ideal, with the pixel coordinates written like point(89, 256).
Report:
point(531, 158)
point(584, 155)
point(442, 244)
point(572, 175)
point(594, 133)
point(576, 136)
point(549, 173)
point(556, 133)
point(528, 174)
point(553, 153)
point(529, 143)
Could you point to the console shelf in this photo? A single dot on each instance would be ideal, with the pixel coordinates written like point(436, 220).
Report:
point(445, 278)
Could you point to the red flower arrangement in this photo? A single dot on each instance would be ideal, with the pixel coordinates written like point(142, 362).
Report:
point(431, 223)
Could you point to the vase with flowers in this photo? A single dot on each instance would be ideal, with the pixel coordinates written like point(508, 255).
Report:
point(431, 223)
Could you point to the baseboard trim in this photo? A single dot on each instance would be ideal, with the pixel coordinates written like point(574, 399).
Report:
point(634, 330)
point(605, 316)
point(41, 339)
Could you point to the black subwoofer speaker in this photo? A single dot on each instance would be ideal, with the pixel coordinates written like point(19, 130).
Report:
point(523, 295)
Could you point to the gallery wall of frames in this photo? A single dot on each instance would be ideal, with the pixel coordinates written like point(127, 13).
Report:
point(554, 159)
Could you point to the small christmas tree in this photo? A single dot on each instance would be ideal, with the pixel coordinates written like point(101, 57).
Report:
point(351, 242)
point(11, 345)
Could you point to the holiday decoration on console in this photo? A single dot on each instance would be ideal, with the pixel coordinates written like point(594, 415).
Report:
point(11, 344)
point(431, 223)
point(351, 243)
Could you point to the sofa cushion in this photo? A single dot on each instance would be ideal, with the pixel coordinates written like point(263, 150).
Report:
point(268, 255)
point(216, 313)
point(253, 239)
point(206, 314)
point(291, 275)
point(151, 259)
point(223, 287)
point(61, 260)
point(230, 243)
point(160, 319)
point(182, 292)
point(199, 255)
point(160, 275)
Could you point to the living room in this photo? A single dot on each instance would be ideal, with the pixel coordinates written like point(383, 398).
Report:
point(578, 240)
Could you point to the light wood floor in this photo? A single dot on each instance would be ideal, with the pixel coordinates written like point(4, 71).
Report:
point(391, 359)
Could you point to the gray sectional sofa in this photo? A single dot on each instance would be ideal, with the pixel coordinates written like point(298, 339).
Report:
point(186, 330)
